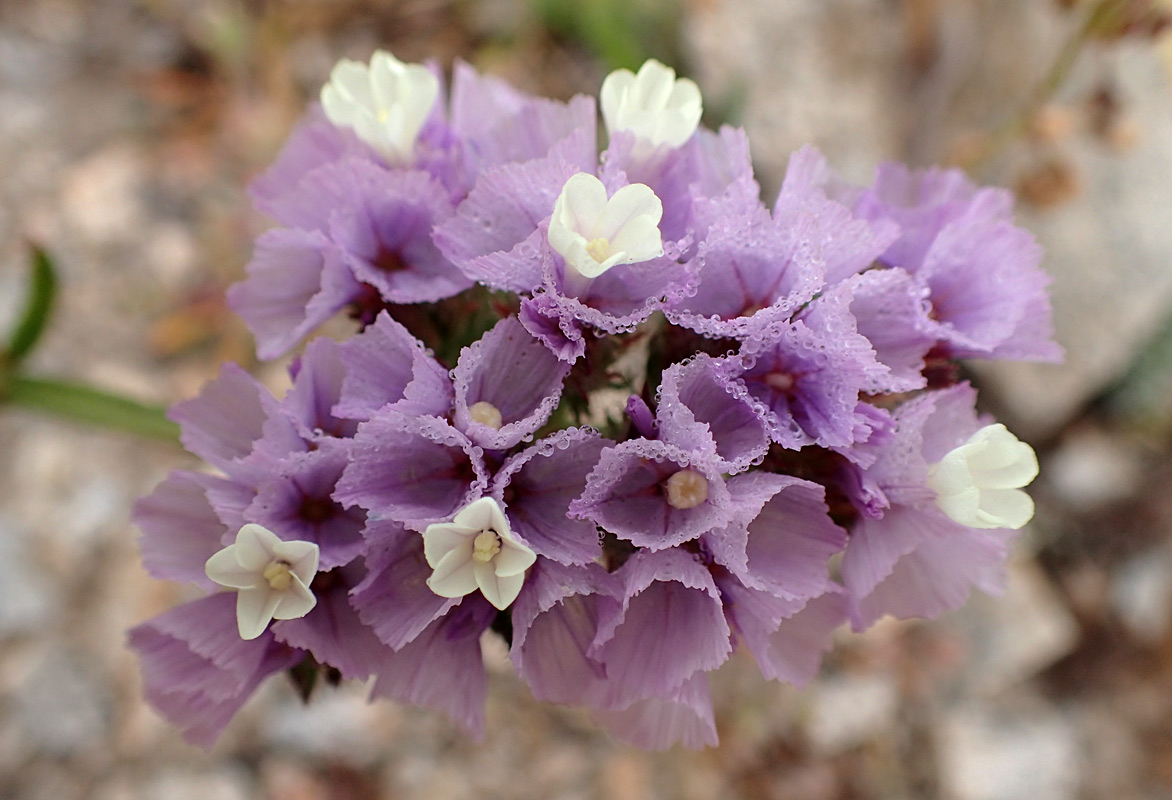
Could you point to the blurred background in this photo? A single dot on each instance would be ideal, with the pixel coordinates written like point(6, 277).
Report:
point(128, 131)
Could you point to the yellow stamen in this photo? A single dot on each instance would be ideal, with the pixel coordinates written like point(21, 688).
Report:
point(486, 414)
point(686, 489)
point(599, 249)
point(278, 575)
point(485, 546)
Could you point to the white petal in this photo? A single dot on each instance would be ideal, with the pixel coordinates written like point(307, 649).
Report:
point(442, 538)
point(963, 507)
point(302, 558)
point(513, 559)
point(454, 575)
point(296, 602)
point(225, 569)
point(639, 240)
point(254, 611)
point(653, 85)
point(500, 591)
point(630, 202)
point(254, 546)
point(581, 203)
point(612, 96)
point(1005, 508)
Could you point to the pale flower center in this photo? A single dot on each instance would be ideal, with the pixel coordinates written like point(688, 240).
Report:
point(486, 414)
point(278, 574)
point(779, 381)
point(686, 489)
point(599, 249)
point(485, 546)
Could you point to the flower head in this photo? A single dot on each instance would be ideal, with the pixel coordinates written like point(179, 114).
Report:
point(657, 107)
point(385, 102)
point(477, 550)
point(271, 577)
point(979, 483)
point(594, 234)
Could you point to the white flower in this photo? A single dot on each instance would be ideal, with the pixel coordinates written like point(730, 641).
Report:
point(271, 577)
point(653, 105)
point(594, 234)
point(385, 103)
point(476, 550)
point(979, 483)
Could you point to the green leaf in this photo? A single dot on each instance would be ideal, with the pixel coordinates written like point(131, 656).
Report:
point(37, 308)
point(92, 406)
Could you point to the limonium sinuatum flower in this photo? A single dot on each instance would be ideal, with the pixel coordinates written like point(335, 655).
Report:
point(979, 483)
point(271, 577)
point(654, 105)
point(593, 233)
point(477, 550)
point(385, 102)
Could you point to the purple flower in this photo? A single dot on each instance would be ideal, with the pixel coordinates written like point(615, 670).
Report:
point(988, 296)
point(655, 494)
point(809, 374)
point(197, 671)
point(669, 626)
point(506, 386)
point(905, 556)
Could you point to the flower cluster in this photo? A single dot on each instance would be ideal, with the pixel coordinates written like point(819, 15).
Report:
point(611, 408)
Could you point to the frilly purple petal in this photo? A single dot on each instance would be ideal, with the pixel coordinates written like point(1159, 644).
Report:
point(537, 486)
point(387, 366)
point(413, 470)
point(513, 372)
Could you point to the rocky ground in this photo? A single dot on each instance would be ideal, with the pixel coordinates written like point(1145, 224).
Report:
point(127, 131)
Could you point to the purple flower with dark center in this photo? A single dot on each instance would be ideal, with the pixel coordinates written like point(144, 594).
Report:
point(362, 225)
point(988, 295)
point(411, 470)
point(809, 374)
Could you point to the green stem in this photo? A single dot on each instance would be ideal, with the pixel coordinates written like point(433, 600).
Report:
point(92, 406)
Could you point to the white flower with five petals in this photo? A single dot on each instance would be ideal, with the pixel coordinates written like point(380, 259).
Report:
point(477, 550)
point(979, 483)
point(653, 104)
point(385, 102)
point(593, 233)
point(271, 577)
